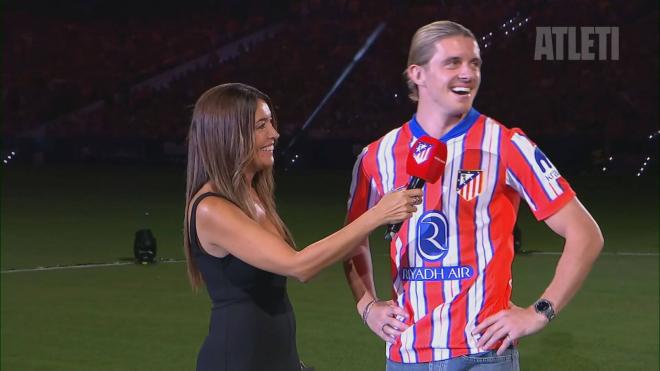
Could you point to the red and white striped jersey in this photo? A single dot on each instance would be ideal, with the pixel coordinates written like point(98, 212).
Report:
point(451, 262)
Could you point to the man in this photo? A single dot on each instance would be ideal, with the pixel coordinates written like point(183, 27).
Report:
point(451, 262)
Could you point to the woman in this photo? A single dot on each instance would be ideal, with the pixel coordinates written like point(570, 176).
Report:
point(236, 243)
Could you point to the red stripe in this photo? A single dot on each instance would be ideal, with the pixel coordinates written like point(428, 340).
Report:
point(360, 197)
point(466, 235)
point(395, 351)
point(371, 164)
point(502, 211)
point(400, 150)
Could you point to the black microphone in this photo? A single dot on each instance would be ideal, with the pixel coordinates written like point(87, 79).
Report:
point(425, 163)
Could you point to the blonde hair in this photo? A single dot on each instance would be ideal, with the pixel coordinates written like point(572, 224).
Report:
point(422, 47)
point(220, 147)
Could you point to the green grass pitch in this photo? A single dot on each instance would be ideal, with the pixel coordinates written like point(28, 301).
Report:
point(146, 317)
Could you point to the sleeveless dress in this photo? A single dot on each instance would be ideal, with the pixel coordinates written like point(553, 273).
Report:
point(252, 326)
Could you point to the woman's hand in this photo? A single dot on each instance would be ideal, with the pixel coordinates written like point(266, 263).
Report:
point(398, 206)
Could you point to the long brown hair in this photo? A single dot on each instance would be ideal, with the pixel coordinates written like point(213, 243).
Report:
point(220, 147)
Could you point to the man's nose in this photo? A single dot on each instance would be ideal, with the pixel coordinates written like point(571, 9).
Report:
point(466, 72)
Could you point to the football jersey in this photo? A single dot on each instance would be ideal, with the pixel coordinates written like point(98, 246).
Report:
point(451, 261)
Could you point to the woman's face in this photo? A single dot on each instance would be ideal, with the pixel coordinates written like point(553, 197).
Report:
point(265, 136)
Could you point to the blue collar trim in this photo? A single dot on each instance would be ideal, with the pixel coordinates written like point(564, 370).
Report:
point(461, 128)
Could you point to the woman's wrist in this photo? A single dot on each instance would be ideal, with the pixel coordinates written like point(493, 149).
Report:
point(374, 218)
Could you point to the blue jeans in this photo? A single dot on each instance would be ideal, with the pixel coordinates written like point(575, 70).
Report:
point(486, 361)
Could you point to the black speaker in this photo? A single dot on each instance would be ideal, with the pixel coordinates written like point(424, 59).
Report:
point(144, 247)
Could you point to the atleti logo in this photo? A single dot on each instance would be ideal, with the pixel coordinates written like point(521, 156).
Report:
point(432, 235)
point(549, 170)
point(421, 152)
point(469, 184)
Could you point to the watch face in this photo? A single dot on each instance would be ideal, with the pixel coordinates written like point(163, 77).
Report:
point(542, 306)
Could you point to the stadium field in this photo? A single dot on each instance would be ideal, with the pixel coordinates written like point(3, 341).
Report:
point(130, 317)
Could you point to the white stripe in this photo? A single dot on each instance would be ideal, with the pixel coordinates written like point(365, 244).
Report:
point(80, 266)
point(356, 169)
point(513, 183)
point(548, 183)
point(452, 287)
point(451, 259)
point(386, 160)
point(374, 197)
point(398, 285)
point(440, 315)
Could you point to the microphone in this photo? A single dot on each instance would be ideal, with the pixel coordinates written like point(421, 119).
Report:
point(426, 163)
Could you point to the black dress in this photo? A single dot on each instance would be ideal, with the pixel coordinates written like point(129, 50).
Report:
point(252, 325)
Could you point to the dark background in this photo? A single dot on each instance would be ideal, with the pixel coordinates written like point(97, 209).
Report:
point(74, 72)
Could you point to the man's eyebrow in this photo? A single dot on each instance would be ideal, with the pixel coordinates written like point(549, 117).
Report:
point(453, 58)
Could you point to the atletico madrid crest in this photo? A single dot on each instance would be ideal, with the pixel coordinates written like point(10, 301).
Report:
point(421, 152)
point(469, 184)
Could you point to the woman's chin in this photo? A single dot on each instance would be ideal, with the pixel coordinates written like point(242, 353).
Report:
point(266, 164)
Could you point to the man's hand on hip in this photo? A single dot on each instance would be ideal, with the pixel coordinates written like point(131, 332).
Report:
point(384, 320)
point(509, 325)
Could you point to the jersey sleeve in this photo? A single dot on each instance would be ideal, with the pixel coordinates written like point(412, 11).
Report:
point(363, 194)
point(533, 176)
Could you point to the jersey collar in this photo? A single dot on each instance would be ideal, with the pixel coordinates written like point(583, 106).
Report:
point(461, 128)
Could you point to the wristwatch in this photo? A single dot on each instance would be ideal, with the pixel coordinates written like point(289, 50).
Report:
point(544, 307)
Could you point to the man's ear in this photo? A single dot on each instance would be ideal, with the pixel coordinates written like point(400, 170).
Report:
point(416, 74)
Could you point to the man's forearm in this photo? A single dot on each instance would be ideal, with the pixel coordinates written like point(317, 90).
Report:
point(572, 269)
point(584, 242)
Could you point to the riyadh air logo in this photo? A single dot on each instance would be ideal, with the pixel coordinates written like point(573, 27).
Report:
point(421, 152)
point(469, 184)
point(432, 235)
point(549, 170)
